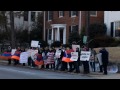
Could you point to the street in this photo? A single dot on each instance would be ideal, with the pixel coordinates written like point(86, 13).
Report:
point(14, 72)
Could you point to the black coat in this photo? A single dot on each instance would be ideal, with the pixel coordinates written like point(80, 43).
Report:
point(105, 56)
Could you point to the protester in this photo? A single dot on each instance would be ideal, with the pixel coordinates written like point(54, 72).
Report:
point(105, 57)
point(50, 59)
point(85, 63)
point(59, 58)
point(92, 59)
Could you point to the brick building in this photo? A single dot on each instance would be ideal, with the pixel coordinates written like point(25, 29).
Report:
point(59, 24)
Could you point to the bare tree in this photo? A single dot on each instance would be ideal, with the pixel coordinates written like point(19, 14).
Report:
point(12, 29)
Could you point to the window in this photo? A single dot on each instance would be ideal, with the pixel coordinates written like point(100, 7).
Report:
point(93, 13)
point(73, 28)
point(50, 15)
point(61, 13)
point(33, 16)
point(117, 29)
point(49, 34)
point(74, 13)
point(25, 15)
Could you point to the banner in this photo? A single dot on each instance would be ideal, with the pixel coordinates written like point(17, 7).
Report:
point(13, 51)
point(75, 46)
point(99, 56)
point(24, 57)
point(74, 56)
point(58, 53)
point(85, 55)
point(34, 43)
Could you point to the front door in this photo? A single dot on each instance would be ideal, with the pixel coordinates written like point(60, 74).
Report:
point(61, 35)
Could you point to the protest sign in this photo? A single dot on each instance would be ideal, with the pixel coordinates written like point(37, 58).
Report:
point(24, 57)
point(34, 43)
point(13, 51)
point(85, 55)
point(74, 56)
point(33, 54)
point(75, 46)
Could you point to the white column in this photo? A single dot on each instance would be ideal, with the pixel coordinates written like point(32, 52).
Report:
point(64, 35)
point(52, 36)
point(58, 34)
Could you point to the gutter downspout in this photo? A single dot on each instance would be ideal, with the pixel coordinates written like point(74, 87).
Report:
point(44, 25)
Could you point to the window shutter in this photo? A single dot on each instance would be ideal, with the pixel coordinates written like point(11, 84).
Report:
point(58, 13)
point(69, 13)
point(76, 28)
point(63, 13)
point(52, 14)
point(46, 34)
point(46, 15)
point(69, 29)
point(76, 13)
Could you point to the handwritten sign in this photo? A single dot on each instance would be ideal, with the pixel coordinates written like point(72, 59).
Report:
point(24, 57)
point(74, 56)
point(34, 43)
point(33, 56)
point(75, 46)
point(85, 55)
point(13, 51)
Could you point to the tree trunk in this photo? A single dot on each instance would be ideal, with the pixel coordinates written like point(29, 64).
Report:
point(12, 30)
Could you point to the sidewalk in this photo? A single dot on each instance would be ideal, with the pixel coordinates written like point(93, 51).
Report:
point(96, 75)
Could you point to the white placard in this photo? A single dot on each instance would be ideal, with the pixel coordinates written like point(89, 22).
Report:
point(34, 43)
point(24, 57)
point(29, 52)
point(99, 56)
point(85, 55)
point(33, 52)
point(75, 46)
point(58, 53)
point(13, 51)
point(74, 56)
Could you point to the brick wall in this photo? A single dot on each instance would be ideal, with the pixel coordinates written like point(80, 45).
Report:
point(73, 20)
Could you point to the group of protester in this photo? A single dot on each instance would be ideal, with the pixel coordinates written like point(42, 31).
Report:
point(46, 58)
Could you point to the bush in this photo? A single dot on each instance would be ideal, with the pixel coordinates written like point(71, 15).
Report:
point(104, 41)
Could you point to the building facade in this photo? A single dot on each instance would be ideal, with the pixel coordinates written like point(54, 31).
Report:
point(59, 24)
point(112, 21)
point(23, 19)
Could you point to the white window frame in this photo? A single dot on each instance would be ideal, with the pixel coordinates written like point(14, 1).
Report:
point(60, 14)
point(49, 16)
point(94, 15)
point(72, 14)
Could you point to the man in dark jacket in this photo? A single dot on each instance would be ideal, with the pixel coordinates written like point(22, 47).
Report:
point(105, 56)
